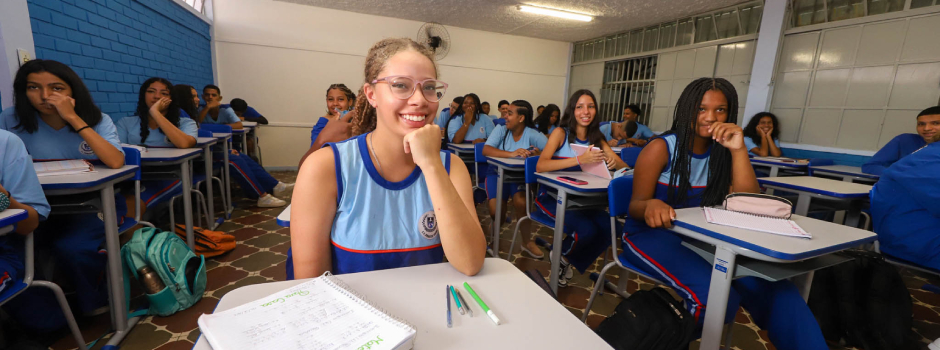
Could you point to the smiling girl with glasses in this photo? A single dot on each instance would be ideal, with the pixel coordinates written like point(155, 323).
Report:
point(399, 200)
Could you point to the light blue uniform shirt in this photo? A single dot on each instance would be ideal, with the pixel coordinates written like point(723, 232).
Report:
point(129, 132)
point(50, 144)
point(749, 144)
point(642, 132)
point(502, 139)
point(442, 118)
point(226, 116)
point(480, 129)
point(17, 175)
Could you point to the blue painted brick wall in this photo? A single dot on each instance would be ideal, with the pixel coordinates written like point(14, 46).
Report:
point(115, 45)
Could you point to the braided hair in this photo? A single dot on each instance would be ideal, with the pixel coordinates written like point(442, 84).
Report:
point(523, 108)
point(143, 112)
point(684, 127)
point(365, 119)
point(569, 122)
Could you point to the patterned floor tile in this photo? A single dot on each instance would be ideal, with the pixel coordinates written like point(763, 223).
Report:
point(258, 261)
point(222, 276)
point(267, 240)
point(185, 321)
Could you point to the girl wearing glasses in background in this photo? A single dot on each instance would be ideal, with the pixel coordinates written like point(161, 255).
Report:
point(417, 198)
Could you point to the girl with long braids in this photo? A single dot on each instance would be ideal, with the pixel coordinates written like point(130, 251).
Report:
point(417, 198)
point(587, 232)
point(518, 138)
point(697, 163)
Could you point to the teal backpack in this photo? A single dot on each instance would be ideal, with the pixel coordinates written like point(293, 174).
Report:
point(183, 273)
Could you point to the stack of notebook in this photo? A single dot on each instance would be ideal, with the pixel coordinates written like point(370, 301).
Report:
point(63, 167)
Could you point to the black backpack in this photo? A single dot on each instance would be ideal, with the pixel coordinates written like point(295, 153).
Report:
point(648, 320)
point(863, 302)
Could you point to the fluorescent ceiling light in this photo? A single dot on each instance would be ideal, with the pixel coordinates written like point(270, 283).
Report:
point(555, 13)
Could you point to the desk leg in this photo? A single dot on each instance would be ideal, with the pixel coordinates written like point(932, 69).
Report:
point(115, 271)
point(802, 204)
point(774, 170)
point(188, 204)
point(853, 214)
point(718, 291)
point(227, 180)
point(207, 158)
point(245, 142)
point(556, 241)
point(804, 283)
point(498, 215)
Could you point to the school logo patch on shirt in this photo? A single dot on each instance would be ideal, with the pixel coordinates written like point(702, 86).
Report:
point(85, 148)
point(427, 225)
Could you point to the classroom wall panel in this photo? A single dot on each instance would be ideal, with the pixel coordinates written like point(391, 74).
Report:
point(897, 122)
point(282, 56)
point(116, 45)
point(838, 47)
point(821, 126)
point(789, 119)
point(829, 88)
point(920, 41)
point(879, 43)
point(869, 86)
point(856, 125)
point(916, 85)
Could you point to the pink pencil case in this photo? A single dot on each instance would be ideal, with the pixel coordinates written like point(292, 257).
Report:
point(759, 204)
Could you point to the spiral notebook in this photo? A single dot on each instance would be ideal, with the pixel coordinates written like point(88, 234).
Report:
point(322, 313)
point(753, 222)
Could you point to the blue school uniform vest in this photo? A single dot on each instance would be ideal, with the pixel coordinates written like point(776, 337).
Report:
point(565, 150)
point(380, 224)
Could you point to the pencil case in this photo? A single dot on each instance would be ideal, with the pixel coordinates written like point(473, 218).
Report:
point(759, 204)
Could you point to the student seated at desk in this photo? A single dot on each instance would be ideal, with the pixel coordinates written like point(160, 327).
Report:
point(503, 108)
point(187, 98)
point(587, 231)
point(698, 163)
point(213, 113)
point(762, 135)
point(485, 107)
point(637, 136)
point(616, 134)
point(444, 116)
point(928, 125)
point(20, 189)
point(518, 138)
point(469, 124)
point(157, 123)
point(339, 101)
point(56, 118)
point(548, 119)
point(417, 198)
point(905, 207)
point(539, 109)
point(244, 112)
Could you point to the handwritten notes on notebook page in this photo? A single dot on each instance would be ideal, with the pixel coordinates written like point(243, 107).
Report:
point(752, 222)
point(314, 315)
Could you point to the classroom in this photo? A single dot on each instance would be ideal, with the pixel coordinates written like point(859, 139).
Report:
point(688, 174)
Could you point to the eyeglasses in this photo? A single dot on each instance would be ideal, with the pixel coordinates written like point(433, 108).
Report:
point(403, 87)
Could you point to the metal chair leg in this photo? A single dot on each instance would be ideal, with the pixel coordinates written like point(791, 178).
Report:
point(64, 305)
point(515, 233)
point(726, 339)
point(597, 286)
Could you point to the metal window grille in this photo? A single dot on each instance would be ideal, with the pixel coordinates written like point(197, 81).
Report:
point(630, 81)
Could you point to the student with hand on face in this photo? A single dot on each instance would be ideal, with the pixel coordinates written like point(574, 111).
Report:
point(56, 118)
point(697, 163)
point(762, 135)
point(587, 232)
point(334, 126)
point(503, 108)
point(518, 138)
point(905, 206)
point(187, 98)
point(417, 198)
point(469, 124)
point(213, 113)
point(928, 125)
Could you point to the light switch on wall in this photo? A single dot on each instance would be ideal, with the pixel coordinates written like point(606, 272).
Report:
point(23, 56)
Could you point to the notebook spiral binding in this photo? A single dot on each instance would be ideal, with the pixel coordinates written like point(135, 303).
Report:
point(756, 215)
point(355, 296)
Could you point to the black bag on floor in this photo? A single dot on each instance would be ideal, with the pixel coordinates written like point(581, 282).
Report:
point(863, 302)
point(649, 320)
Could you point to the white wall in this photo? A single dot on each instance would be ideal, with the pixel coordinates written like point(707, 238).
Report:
point(281, 57)
point(15, 33)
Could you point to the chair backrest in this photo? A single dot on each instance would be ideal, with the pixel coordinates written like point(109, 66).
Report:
point(204, 133)
point(499, 121)
point(530, 165)
point(216, 128)
point(478, 153)
point(132, 157)
point(630, 154)
point(619, 192)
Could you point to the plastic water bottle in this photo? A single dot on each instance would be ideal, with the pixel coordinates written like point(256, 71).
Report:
point(150, 280)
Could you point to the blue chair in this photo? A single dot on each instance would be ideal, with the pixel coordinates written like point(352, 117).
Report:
point(132, 157)
point(499, 121)
point(630, 154)
point(478, 159)
point(537, 216)
point(17, 287)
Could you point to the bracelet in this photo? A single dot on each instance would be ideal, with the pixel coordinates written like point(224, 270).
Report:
point(578, 158)
point(4, 201)
point(82, 128)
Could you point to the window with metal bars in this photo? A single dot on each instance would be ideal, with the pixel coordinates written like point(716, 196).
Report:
point(626, 82)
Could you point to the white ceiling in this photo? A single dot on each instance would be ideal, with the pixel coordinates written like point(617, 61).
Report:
point(501, 16)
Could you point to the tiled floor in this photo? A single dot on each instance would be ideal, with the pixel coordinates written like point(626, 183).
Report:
point(261, 253)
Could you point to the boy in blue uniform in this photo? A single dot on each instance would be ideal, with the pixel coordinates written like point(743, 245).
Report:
point(245, 112)
point(417, 198)
point(213, 113)
point(56, 118)
point(928, 125)
point(905, 207)
point(518, 138)
point(469, 124)
point(618, 133)
point(678, 170)
point(587, 231)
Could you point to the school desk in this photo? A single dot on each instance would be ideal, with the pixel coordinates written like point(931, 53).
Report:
point(247, 128)
point(730, 242)
point(775, 164)
point(593, 194)
point(206, 144)
point(508, 170)
point(226, 139)
point(844, 172)
point(808, 187)
point(252, 132)
point(413, 294)
point(9, 218)
point(102, 180)
point(155, 157)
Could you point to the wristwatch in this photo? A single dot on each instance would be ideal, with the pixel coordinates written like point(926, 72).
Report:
point(4, 200)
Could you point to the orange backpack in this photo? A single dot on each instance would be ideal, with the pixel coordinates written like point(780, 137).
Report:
point(208, 243)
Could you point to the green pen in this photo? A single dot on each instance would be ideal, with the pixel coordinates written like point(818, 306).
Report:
point(459, 308)
point(486, 309)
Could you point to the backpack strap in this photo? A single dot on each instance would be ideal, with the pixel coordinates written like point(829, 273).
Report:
point(134, 254)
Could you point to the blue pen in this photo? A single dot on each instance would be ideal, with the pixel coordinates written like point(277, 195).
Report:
point(449, 324)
